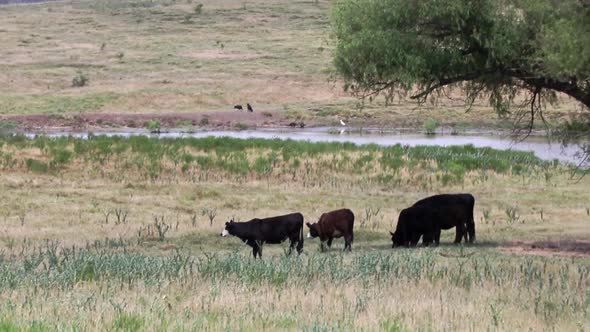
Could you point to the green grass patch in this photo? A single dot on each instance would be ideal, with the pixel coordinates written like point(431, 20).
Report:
point(55, 104)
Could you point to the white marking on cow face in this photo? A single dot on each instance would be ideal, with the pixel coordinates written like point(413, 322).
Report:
point(308, 235)
point(224, 232)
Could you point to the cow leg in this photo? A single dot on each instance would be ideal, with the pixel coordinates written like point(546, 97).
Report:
point(471, 230)
point(460, 231)
point(348, 243)
point(426, 239)
point(437, 237)
point(330, 242)
point(259, 245)
point(414, 239)
point(254, 247)
point(254, 250)
point(300, 246)
point(291, 246)
point(465, 234)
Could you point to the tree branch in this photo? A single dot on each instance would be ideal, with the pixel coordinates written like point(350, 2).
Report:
point(447, 81)
point(569, 88)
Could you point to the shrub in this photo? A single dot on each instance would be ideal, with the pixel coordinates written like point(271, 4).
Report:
point(241, 126)
point(153, 125)
point(79, 80)
point(430, 126)
point(36, 166)
point(7, 127)
point(198, 9)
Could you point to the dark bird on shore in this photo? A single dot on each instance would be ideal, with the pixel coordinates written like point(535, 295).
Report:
point(250, 109)
point(238, 107)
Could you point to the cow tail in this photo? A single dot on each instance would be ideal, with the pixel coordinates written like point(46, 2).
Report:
point(471, 223)
point(300, 244)
point(351, 227)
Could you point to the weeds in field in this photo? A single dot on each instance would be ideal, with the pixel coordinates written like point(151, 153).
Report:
point(161, 227)
point(106, 213)
point(22, 214)
point(546, 288)
point(210, 213)
point(513, 215)
point(370, 213)
point(486, 215)
point(121, 215)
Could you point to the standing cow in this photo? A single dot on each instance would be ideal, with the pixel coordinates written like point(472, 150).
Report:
point(334, 224)
point(272, 230)
point(427, 217)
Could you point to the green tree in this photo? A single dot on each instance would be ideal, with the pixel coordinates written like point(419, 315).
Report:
point(493, 49)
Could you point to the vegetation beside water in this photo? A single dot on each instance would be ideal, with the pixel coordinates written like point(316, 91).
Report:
point(319, 164)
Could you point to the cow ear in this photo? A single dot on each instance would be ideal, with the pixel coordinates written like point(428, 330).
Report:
point(308, 225)
point(391, 233)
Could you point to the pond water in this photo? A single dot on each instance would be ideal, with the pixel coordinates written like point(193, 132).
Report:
point(540, 146)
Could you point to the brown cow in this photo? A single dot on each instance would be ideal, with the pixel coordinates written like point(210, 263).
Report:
point(333, 224)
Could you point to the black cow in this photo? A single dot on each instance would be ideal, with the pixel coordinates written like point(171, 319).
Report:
point(249, 107)
point(256, 232)
point(334, 224)
point(238, 107)
point(413, 223)
point(432, 214)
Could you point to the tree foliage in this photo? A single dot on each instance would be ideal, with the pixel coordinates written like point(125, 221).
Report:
point(488, 48)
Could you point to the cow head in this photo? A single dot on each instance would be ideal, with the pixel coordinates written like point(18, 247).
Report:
point(313, 230)
point(227, 230)
point(396, 240)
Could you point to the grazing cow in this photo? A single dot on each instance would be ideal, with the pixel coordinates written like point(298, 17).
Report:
point(413, 223)
point(434, 213)
point(334, 224)
point(238, 107)
point(256, 232)
point(250, 109)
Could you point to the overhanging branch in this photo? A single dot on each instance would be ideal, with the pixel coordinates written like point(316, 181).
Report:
point(432, 86)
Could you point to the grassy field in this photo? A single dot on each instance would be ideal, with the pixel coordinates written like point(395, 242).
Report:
point(169, 57)
point(123, 234)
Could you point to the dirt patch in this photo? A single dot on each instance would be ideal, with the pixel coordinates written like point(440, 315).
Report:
point(575, 248)
point(108, 121)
